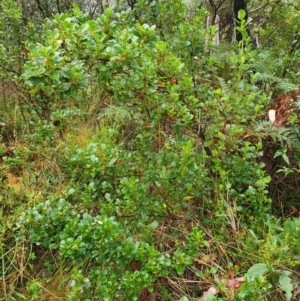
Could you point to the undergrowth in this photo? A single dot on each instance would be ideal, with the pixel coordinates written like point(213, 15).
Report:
point(138, 163)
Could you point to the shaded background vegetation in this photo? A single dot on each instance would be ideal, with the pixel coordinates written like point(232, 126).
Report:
point(138, 159)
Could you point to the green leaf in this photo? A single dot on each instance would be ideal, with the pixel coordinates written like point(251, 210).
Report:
point(71, 191)
point(278, 153)
point(213, 270)
point(54, 75)
point(282, 153)
point(53, 246)
point(285, 158)
point(150, 289)
point(20, 296)
point(112, 161)
point(154, 225)
point(286, 285)
point(94, 158)
point(200, 274)
point(209, 297)
point(241, 14)
point(253, 234)
point(184, 298)
point(180, 269)
point(85, 27)
point(258, 269)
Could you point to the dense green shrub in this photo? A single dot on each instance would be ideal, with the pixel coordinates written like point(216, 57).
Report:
point(144, 161)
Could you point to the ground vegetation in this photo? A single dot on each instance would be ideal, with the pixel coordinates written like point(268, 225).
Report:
point(143, 159)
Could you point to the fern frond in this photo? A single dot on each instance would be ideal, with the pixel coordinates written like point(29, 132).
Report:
point(223, 85)
point(284, 86)
point(264, 74)
point(115, 113)
point(288, 136)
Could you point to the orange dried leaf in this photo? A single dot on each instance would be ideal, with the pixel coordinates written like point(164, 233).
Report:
point(235, 283)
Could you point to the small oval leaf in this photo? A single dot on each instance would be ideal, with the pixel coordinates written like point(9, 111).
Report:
point(241, 14)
